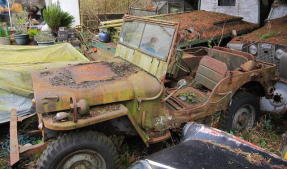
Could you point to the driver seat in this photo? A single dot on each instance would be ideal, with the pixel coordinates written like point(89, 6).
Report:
point(210, 72)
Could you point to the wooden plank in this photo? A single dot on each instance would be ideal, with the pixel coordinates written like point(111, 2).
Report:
point(14, 145)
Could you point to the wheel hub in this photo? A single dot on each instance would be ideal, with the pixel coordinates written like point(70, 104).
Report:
point(84, 159)
point(244, 118)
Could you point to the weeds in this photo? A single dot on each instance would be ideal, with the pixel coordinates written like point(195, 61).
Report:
point(263, 135)
point(268, 35)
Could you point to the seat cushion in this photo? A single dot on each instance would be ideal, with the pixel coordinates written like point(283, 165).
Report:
point(210, 72)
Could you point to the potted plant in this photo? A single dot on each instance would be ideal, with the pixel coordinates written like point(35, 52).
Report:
point(4, 35)
point(20, 21)
point(55, 17)
point(44, 39)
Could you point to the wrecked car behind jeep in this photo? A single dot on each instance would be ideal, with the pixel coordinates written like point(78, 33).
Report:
point(269, 44)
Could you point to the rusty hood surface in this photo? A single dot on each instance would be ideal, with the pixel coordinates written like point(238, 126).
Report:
point(274, 31)
point(201, 25)
point(98, 83)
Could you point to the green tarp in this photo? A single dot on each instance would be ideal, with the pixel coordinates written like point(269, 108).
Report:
point(16, 65)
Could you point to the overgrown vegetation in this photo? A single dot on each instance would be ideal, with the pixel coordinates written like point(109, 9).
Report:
point(3, 32)
point(32, 32)
point(94, 11)
point(267, 35)
point(20, 21)
point(44, 37)
point(267, 133)
point(55, 17)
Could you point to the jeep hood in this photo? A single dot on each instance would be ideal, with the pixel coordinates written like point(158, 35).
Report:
point(97, 82)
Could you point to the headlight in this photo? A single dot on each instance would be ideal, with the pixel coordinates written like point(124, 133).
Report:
point(253, 49)
point(236, 46)
point(280, 53)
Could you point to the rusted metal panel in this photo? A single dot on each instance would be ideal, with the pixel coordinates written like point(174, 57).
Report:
point(204, 25)
point(274, 31)
point(162, 68)
point(14, 145)
point(118, 85)
point(150, 64)
point(154, 66)
point(144, 61)
point(97, 115)
point(91, 72)
point(28, 151)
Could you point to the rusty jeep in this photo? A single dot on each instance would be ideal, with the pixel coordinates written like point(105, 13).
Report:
point(150, 89)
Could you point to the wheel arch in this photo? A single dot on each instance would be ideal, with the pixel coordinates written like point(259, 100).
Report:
point(253, 87)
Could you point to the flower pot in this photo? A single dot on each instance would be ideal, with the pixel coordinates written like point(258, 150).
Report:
point(5, 41)
point(104, 37)
point(21, 39)
point(45, 43)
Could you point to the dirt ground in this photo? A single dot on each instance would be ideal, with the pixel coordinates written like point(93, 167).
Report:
point(266, 134)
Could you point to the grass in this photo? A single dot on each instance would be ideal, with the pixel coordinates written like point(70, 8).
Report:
point(268, 35)
point(265, 134)
point(96, 7)
point(91, 9)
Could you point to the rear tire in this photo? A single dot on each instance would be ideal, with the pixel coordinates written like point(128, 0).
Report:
point(80, 149)
point(242, 113)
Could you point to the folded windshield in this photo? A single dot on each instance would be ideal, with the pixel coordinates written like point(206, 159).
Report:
point(152, 39)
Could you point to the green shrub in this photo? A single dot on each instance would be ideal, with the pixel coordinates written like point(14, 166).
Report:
point(3, 32)
point(44, 37)
point(55, 17)
point(32, 32)
point(20, 22)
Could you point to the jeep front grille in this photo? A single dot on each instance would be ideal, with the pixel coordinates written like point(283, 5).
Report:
point(266, 53)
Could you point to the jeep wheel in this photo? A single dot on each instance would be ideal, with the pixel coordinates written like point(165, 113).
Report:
point(88, 150)
point(242, 112)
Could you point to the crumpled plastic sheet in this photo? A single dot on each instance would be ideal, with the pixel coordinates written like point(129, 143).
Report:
point(16, 65)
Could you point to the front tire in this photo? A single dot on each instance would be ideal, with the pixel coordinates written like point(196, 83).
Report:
point(91, 150)
point(242, 113)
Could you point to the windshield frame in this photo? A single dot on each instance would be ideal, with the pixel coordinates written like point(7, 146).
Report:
point(150, 21)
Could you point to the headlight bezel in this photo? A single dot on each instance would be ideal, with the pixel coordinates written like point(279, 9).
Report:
point(279, 53)
point(253, 49)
